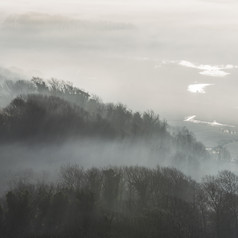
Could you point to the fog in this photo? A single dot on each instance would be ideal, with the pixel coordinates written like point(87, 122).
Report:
point(177, 58)
point(118, 118)
point(47, 125)
point(42, 163)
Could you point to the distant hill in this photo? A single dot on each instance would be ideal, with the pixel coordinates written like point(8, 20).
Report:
point(55, 111)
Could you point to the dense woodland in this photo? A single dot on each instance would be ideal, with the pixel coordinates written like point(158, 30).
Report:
point(60, 108)
point(122, 202)
point(111, 202)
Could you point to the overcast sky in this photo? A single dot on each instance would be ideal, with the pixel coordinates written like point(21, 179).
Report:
point(178, 58)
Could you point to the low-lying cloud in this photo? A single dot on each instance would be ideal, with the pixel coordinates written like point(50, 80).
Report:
point(40, 21)
point(198, 88)
point(204, 69)
point(209, 70)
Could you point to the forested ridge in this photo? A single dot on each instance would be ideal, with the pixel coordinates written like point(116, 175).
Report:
point(58, 105)
point(122, 201)
point(54, 110)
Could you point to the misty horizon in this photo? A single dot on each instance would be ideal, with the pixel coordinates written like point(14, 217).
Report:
point(118, 118)
point(107, 47)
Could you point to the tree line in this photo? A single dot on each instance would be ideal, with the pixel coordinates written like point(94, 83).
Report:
point(122, 202)
point(36, 99)
point(33, 114)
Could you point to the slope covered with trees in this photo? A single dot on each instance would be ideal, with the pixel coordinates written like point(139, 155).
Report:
point(26, 95)
point(55, 111)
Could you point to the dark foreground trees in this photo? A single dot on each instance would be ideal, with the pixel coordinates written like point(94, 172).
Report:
point(122, 202)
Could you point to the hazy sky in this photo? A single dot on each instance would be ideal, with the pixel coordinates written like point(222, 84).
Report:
point(176, 57)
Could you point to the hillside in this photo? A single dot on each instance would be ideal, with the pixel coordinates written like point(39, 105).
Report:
point(54, 112)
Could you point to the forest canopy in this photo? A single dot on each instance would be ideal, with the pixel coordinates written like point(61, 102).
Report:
point(122, 202)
